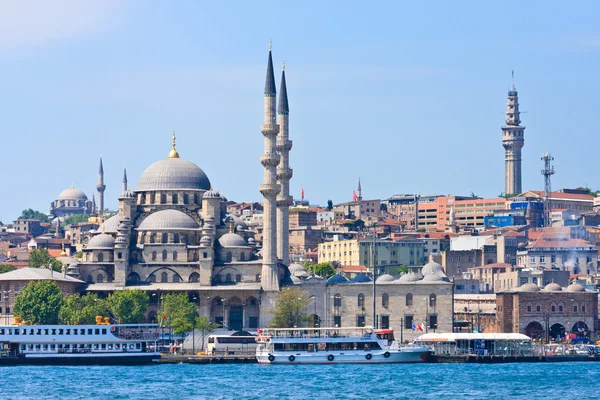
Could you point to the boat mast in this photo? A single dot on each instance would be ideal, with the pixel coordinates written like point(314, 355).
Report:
point(374, 278)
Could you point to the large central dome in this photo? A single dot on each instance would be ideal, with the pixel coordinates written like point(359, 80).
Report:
point(173, 174)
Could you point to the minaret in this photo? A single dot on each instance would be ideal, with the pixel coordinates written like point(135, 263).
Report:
point(94, 212)
point(513, 139)
point(270, 188)
point(124, 180)
point(359, 192)
point(284, 174)
point(100, 187)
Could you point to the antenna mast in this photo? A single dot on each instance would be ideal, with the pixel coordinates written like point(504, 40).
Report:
point(547, 171)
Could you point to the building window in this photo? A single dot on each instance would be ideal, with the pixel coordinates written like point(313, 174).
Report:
point(337, 321)
point(542, 259)
point(575, 308)
point(228, 278)
point(218, 278)
point(408, 322)
point(385, 300)
point(194, 277)
point(432, 300)
point(100, 279)
point(164, 255)
point(553, 259)
point(186, 198)
point(163, 199)
point(409, 300)
point(360, 320)
point(337, 300)
point(176, 238)
point(204, 254)
point(238, 278)
point(152, 278)
point(153, 256)
point(553, 308)
point(176, 278)
point(257, 278)
point(528, 308)
point(165, 237)
point(229, 256)
point(433, 322)
point(174, 256)
point(583, 308)
point(531, 259)
point(385, 322)
point(174, 199)
point(196, 258)
point(361, 301)
point(560, 308)
point(100, 257)
point(164, 277)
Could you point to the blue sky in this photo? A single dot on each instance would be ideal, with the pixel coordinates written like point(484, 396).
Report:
point(410, 96)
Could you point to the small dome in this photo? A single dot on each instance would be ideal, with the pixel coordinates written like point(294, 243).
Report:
point(529, 287)
point(553, 287)
point(410, 277)
point(297, 269)
point(232, 240)
point(172, 174)
point(101, 241)
point(295, 280)
point(72, 194)
point(385, 278)
point(110, 225)
point(168, 220)
point(361, 278)
point(251, 240)
point(337, 279)
point(439, 277)
point(575, 287)
point(205, 239)
point(211, 194)
point(432, 268)
point(237, 221)
point(121, 240)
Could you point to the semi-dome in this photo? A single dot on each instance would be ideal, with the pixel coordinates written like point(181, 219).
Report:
point(110, 225)
point(410, 277)
point(232, 240)
point(432, 268)
point(337, 279)
point(575, 287)
point(361, 278)
point(529, 287)
point(297, 269)
point(168, 220)
point(72, 193)
point(385, 278)
point(173, 174)
point(101, 241)
point(553, 287)
point(437, 277)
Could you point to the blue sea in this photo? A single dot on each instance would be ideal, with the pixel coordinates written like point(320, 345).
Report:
point(253, 381)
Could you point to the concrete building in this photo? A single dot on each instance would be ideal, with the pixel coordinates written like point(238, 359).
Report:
point(563, 199)
point(29, 226)
point(513, 139)
point(512, 278)
point(359, 209)
point(459, 211)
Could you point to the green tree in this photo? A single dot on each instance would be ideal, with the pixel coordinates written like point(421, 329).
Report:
point(325, 270)
point(128, 306)
point(179, 312)
point(33, 214)
point(290, 308)
point(205, 327)
point(75, 219)
point(402, 269)
point(83, 309)
point(6, 268)
point(39, 303)
point(41, 259)
point(329, 205)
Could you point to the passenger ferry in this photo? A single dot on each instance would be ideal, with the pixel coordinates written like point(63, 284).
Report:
point(79, 344)
point(335, 346)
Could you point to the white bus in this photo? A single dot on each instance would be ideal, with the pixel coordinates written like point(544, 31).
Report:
point(236, 343)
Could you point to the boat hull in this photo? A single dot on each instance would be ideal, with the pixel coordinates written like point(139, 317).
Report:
point(82, 359)
point(417, 355)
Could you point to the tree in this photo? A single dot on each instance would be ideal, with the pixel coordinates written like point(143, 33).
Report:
point(588, 190)
point(325, 270)
point(290, 308)
point(4, 268)
point(128, 306)
point(33, 214)
point(329, 205)
point(402, 269)
point(82, 309)
point(41, 259)
point(75, 219)
point(205, 327)
point(39, 303)
point(179, 312)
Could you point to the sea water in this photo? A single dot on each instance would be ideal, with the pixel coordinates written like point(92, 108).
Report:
point(253, 381)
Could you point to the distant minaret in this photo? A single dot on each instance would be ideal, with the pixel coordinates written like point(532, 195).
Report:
point(284, 174)
point(100, 187)
point(270, 188)
point(124, 180)
point(94, 212)
point(359, 192)
point(513, 139)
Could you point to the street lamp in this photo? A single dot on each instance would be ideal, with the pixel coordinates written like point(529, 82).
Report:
point(314, 297)
point(194, 329)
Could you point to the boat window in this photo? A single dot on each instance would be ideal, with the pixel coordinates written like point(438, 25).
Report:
point(68, 332)
point(82, 332)
point(44, 347)
point(52, 347)
point(89, 331)
point(38, 332)
point(9, 331)
point(22, 347)
point(211, 340)
point(138, 346)
point(104, 331)
point(131, 346)
point(97, 331)
point(1, 331)
point(96, 346)
point(103, 346)
point(31, 331)
point(37, 347)
point(75, 331)
point(24, 332)
point(16, 331)
point(46, 331)
point(61, 331)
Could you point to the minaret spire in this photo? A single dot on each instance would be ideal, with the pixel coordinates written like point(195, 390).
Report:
point(513, 140)
point(284, 173)
point(100, 187)
point(269, 189)
point(94, 211)
point(124, 180)
point(359, 191)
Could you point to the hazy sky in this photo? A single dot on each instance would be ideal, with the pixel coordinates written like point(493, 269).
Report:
point(410, 96)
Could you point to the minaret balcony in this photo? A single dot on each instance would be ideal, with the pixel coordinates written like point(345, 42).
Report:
point(284, 174)
point(269, 189)
point(269, 129)
point(284, 145)
point(100, 187)
point(270, 159)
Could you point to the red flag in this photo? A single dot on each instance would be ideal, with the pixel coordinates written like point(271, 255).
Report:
point(354, 197)
point(419, 327)
point(164, 316)
point(302, 192)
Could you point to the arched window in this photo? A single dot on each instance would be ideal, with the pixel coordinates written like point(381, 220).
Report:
point(153, 256)
point(196, 258)
point(174, 256)
point(176, 238)
point(164, 255)
point(257, 278)
point(152, 198)
point(164, 277)
point(176, 278)
point(165, 237)
point(90, 279)
point(133, 278)
point(432, 300)
point(409, 299)
point(100, 278)
point(163, 199)
point(229, 256)
point(152, 278)
point(186, 198)
point(238, 278)
point(174, 199)
point(227, 277)
point(337, 300)
point(361, 300)
point(242, 256)
point(152, 238)
point(194, 277)
point(196, 198)
point(385, 300)
point(100, 257)
point(218, 278)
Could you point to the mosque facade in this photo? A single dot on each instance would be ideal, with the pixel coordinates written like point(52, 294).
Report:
point(71, 201)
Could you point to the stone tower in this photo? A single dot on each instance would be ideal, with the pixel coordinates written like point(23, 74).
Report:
point(284, 174)
point(513, 139)
point(269, 189)
point(100, 187)
point(359, 192)
point(124, 188)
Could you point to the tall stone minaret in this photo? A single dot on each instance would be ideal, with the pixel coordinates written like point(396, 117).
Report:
point(100, 187)
point(284, 174)
point(124, 180)
point(270, 188)
point(359, 192)
point(513, 139)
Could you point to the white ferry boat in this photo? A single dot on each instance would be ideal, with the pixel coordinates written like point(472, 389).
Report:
point(79, 344)
point(335, 346)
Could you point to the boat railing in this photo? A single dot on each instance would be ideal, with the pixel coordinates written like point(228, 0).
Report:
point(316, 333)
